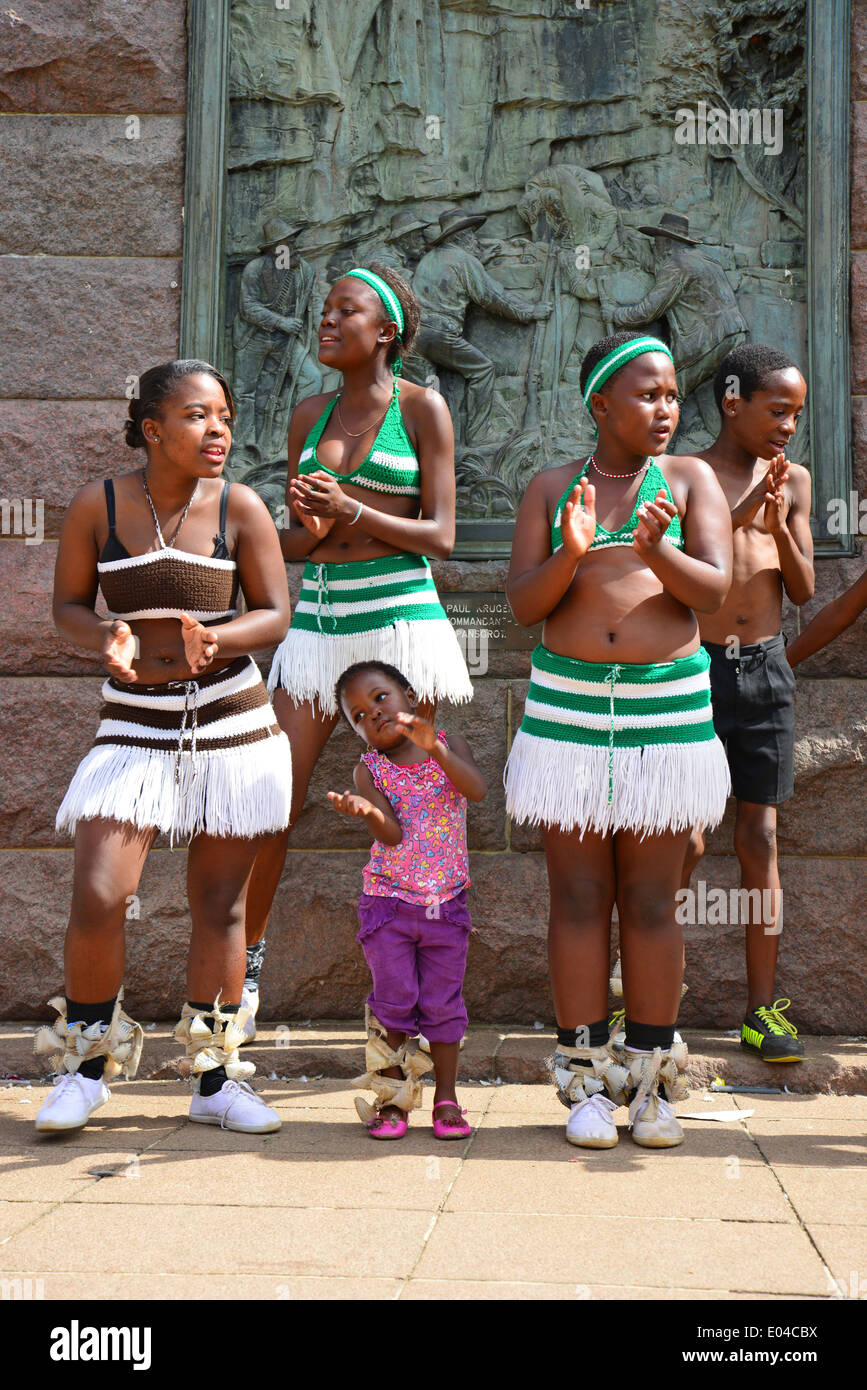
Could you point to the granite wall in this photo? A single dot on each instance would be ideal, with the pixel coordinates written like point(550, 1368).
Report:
point(89, 277)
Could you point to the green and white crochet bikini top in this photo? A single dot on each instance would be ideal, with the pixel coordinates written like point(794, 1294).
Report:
point(652, 482)
point(391, 466)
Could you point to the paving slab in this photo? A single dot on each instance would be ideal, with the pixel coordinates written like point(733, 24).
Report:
point(818, 1195)
point(457, 1290)
point(505, 1137)
point(189, 1240)
point(722, 1189)
point(45, 1174)
point(824, 1142)
point(769, 1206)
point(15, 1216)
point(176, 1288)
point(821, 1163)
point(844, 1250)
point(135, 1116)
point(399, 1181)
point(792, 1107)
point(655, 1253)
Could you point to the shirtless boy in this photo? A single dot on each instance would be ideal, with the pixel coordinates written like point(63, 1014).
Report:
point(760, 394)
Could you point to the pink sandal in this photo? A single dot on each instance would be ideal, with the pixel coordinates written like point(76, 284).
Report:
point(388, 1128)
point(443, 1131)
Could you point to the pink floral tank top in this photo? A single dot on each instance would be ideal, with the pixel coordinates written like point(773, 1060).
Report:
point(430, 864)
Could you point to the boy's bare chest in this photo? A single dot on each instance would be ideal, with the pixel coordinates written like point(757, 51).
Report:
point(754, 550)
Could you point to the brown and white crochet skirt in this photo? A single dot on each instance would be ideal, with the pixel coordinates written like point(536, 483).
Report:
point(203, 756)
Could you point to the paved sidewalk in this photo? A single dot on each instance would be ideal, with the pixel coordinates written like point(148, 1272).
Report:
point(135, 1205)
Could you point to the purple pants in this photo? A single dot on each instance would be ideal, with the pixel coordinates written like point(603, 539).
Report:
point(417, 963)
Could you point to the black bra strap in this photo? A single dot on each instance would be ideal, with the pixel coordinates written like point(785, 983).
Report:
point(224, 503)
point(108, 484)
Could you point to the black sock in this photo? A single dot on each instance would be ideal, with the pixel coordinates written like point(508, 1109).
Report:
point(87, 1014)
point(644, 1037)
point(211, 1081)
point(587, 1035)
point(255, 957)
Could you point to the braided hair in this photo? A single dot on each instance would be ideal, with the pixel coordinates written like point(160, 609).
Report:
point(402, 343)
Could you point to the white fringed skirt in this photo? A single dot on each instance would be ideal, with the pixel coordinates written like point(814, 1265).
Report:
point(203, 756)
point(617, 747)
point(386, 610)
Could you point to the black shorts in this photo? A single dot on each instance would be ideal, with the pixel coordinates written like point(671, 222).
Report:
point(754, 717)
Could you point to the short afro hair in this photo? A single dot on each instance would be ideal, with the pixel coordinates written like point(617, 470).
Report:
point(751, 364)
point(351, 671)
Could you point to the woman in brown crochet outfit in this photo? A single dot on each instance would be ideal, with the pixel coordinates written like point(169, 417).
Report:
point(187, 745)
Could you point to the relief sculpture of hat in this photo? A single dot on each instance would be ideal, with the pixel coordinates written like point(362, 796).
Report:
point(402, 223)
point(453, 220)
point(673, 225)
point(276, 231)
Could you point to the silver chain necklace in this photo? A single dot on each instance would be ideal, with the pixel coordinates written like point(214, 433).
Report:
point(164, 544)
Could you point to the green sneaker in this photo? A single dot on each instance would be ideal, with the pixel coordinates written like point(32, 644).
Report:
point(766, 1034)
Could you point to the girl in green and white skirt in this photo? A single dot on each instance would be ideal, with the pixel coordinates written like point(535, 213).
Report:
point(370, 494)
point(616, 757)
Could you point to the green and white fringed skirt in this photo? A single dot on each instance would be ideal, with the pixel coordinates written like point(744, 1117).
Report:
point(369, 610)
point(617, 747)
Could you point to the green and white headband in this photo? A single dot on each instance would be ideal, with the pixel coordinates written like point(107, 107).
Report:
point(389, 299)
point(385, 292)
point(618, 358)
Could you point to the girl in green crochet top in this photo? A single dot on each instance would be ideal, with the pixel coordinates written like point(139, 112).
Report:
point(370, 493)
point(616, 757)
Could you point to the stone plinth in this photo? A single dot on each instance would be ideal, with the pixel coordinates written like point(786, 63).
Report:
point(315, 968)
point(135, 163)
point(84, 326)
point(52, 448)
point(103, 56)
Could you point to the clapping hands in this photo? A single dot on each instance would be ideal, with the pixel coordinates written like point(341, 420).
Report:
point(654, 519)
point(578, 522)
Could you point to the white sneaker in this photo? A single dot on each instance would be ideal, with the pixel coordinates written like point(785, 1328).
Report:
point(71, 1103)
point(235, 1106)
point(655, 1125)
point(250, 1000)
point(590, 1124)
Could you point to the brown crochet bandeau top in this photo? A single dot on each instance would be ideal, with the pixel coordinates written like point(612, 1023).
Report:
point(167, 582)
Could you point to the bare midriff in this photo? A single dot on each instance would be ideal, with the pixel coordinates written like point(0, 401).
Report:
point(345, 543)
point(752, 611)
point(616, 610)
point(161, 652)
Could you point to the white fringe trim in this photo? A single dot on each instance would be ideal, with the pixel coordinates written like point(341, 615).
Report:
point(307, 664)
point(230, 792)
point(668, 786)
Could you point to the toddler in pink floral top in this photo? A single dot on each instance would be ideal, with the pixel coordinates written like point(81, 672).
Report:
point(411, 790)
